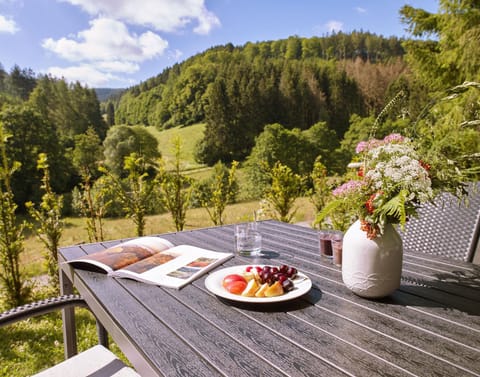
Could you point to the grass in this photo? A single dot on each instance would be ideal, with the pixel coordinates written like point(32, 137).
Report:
point(189, 137)
point(33, 345)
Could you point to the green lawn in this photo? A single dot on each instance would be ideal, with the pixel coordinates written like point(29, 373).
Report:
point(189, 137)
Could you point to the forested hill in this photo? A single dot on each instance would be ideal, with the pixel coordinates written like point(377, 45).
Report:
point(296, 82)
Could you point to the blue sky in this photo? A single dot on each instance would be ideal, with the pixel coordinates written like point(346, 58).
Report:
point(119, 43)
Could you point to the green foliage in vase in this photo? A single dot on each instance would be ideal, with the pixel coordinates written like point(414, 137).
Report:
point(397, 175)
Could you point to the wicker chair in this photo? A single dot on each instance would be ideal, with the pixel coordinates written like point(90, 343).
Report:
point(447, 228)
point(97, 361)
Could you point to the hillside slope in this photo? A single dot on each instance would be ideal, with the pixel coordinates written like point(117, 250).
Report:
point(189, 136)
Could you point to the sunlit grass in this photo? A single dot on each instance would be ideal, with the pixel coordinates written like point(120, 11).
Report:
point(30, 346)
point(189, 137)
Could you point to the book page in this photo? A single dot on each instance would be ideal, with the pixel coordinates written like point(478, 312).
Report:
point(123, 254)
point(174, 267)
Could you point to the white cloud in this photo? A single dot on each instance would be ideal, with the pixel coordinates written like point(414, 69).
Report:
point(85, 74)
point(360, 10)
point(105, 49)
point(107, 40)
point(108, 48)
point(334, 26)
point(7, 25)
point(162, 15)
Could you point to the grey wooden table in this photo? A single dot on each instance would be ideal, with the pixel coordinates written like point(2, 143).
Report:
point(429, 327)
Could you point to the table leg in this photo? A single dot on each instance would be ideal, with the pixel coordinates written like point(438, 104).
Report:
point(68, 319)
point(102, 335)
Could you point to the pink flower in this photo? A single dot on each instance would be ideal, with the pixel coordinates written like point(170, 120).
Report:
point(393, 138)
point(361, 147)
point(347, 188)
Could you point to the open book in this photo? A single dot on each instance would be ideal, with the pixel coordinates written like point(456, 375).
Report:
point(153, 260)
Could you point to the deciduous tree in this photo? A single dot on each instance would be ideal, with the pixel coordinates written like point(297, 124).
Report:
point(33, 134)
point(121, 141)
point(285, 188)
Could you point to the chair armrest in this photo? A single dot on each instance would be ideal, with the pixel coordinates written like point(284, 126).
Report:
point(40, 307)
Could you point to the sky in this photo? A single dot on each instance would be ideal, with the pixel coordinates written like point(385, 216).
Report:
point(120, 43)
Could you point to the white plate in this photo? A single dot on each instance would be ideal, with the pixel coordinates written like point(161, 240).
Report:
point(213, 283)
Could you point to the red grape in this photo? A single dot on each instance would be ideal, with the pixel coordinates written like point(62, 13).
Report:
point(287, 285)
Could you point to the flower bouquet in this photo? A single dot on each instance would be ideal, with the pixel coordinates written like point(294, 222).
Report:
point(392, 181)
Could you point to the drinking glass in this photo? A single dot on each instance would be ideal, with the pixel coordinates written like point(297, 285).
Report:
point(337, 247)
point(325, 243)
point(248, 241)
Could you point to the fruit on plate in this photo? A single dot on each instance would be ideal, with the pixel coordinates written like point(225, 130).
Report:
point(234, 283)
point(251, 288)
point(261, 281)
point(261, 290)
point(232, 277)
point(249, 275)
point(275, 289)
point(236, 287)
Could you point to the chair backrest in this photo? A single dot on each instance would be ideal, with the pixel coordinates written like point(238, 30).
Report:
point(447, 228)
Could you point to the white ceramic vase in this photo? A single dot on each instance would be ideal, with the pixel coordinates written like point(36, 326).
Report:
point(372, 268)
